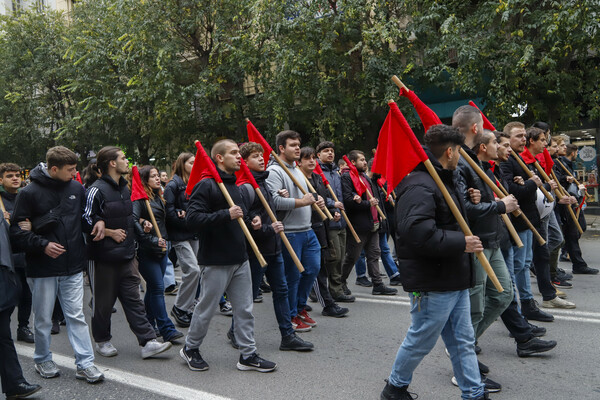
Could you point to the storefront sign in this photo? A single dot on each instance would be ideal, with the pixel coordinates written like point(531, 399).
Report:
point(587, 153)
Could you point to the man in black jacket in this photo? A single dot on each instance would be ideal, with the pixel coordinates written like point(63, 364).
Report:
point(54, 203)
point(11, 182)
point(436, 270)
point(223, 261)
point(363, 216)
point(109, 217)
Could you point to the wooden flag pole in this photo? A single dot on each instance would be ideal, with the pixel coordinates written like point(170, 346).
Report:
point(387, 196)
point(298, 185)
point(558, 194)
point(463, 224)
point(370, 196)
point(521, 214)
point(498, 192)
point(571, 175)
point(284, 238)
point(399, 83)
point(4, 210)
point(153, 220)
point(312, 190)
point(565, 194)
point(530, 174)
point(335, 198)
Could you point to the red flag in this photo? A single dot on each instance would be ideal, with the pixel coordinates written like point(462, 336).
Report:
point(78, 178)
point(546, 161)
point(255, 136)
point(244, 175)
point(486, 122)
point(203, 168)
point(581, 205)
point(492, 165)
point(527, 156)
point(398, 151)
point(137, 189)
point(319, 171)
point(359, 185)
point(428, 117)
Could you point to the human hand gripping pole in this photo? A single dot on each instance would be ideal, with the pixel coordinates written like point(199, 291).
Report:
point(138, 193)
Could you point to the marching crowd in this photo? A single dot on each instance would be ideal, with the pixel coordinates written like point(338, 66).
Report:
point(59, 229)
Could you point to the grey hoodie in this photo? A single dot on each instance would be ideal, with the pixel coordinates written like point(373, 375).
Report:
point(294, 219)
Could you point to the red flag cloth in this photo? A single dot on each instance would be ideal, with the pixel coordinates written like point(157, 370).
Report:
point(358, 184)
point(428, 117)
point(398, 151)
point(137, 189)
point(486, 122)
point(580, 205)
point(319, 171)
point(244, 175)
point(255, 136)
point(546, 161)
point(527, 156)
point(78, 178)
point(203, 168)
point(492, 166)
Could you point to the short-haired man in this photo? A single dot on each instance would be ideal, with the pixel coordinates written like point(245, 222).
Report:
point(294, 210)
point(337, 227)
point(223, 261)
point(569, 229)
point(11, 182)
point(363, 215)
point(109, 217)
point(54, 204)
point(435, 270)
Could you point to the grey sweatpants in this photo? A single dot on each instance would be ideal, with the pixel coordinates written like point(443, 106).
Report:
point(187, 258)
point(235, 280)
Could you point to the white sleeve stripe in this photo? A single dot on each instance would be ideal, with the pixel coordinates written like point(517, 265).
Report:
point(87, 214)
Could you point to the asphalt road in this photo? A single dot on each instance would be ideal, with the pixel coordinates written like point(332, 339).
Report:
point(352, 357)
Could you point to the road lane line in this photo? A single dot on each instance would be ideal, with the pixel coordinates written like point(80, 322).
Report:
point(148, 384)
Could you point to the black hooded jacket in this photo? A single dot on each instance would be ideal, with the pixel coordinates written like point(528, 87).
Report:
point(176, 201)
point(430, 243)
point(55, 210)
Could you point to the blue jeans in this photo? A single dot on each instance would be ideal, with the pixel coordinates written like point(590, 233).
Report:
point(307, 248)
point(70, 294)
point(169, 273)
point(521, 263)
point(386, 258)
point(447, 314)
point(152, 270)
point(275, 272)
point(509, 258)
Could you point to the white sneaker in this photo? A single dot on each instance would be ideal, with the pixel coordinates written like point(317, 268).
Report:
point(106, 349)
point(454, 381)
point(154, 347)
point(557, 302)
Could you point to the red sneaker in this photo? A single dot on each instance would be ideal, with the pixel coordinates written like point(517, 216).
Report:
point(299, 325)
point(306, 318)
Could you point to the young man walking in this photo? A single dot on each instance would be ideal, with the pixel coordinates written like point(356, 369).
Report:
point(54, 203)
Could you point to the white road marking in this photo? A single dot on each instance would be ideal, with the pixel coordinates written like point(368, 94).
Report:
point(146, 383)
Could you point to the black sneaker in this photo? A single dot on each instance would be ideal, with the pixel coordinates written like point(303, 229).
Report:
point(477, 349)
point(334, 311)
point(344, 299)
point(23, 390)
point(364, 281)
point(24, 334)
point(382, 290)
point(564, 258)
point(345, 289)
point(181, 317)
point(538, 331)
point(395, 281)
point(175, 336)
point(55, 330)
point(258, 299)
point(483, 369)
point(307, 308)
point(255, 363)
point(585, 271)
point(264, 286)
point(391, 392)
point(534, 346)
point(193, 359)
point(294, 343)
point(561, 284)
point(530, 310)
point(490, 385)
point(232, 340)
point(564, 275)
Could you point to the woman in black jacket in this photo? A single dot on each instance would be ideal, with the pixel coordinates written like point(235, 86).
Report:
point(152, 252)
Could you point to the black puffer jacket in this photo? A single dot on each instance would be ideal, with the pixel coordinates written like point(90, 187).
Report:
point(222, 241)
point(484, 217)
point(359, 214)
point(176, 201)
point(149, 241)
point(525, 194)
point(44, 197)
point(9, 203)
point(430, 244)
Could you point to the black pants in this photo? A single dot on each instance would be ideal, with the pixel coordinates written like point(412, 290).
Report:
point(572, 235)
point(541, 262)
point(114, 281)
point(10, 370)
point(25, 301)
point(369, 241)
point(320, 285)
